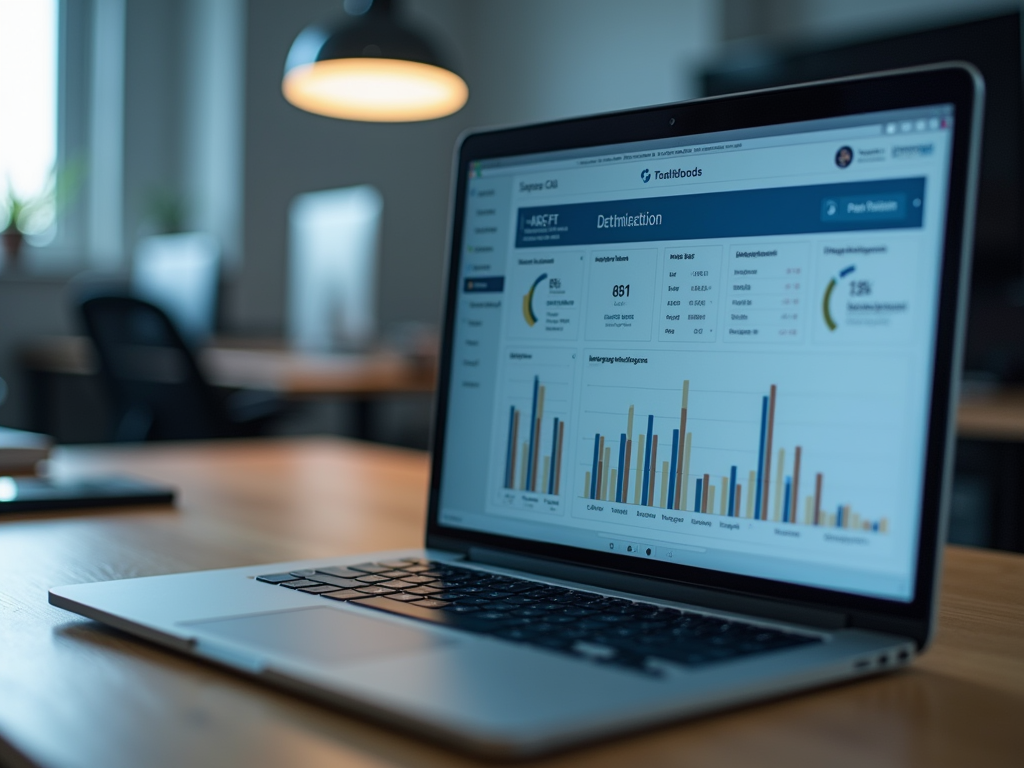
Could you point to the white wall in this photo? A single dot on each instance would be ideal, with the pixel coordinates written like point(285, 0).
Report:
point(542, 60)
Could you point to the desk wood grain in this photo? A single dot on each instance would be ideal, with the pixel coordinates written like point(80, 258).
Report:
point(73, 693)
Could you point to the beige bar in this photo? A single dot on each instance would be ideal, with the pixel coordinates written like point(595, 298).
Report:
point(522, 467)
point(586, 486)
point(711, 500)
point(725, 497)
point(613, 476)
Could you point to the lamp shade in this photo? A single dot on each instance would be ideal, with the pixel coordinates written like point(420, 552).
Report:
point(373, 68)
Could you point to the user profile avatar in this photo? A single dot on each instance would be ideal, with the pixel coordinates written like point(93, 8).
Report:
point(844, 157)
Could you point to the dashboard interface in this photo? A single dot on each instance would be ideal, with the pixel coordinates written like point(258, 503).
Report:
point(709, 350)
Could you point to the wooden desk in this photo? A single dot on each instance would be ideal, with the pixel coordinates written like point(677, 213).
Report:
point(361, 378)
point(272, 368)
point(73, 693)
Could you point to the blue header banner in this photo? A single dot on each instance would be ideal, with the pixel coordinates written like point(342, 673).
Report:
point(864, 205)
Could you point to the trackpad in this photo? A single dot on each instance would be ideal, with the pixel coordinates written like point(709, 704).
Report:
point(320, 635)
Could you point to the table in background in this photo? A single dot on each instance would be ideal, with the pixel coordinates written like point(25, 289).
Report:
point(75, 693)
point(235, 363)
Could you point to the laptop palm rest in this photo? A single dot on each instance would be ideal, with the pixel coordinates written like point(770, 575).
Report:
point(318, 635)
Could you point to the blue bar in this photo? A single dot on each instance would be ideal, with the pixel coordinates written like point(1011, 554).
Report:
point(511, 447)
point(731, 511)
point(874, 526)
point(760, 458)
point(696, 502)
point(533, 428)
point(554, 450)
point(785, 506)
point(593, 472)
point(743, 213)
point(647, 459)
point(839, 517)
point(622, 462)
point(672, 468)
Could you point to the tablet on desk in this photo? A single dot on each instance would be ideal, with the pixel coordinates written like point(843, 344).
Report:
point(37, 494)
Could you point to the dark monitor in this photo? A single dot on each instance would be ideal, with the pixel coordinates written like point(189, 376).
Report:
point(991, 44)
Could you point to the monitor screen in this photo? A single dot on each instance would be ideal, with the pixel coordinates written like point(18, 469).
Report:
point(710, 350)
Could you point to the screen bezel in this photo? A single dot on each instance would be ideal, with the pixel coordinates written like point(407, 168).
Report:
point(959, 85)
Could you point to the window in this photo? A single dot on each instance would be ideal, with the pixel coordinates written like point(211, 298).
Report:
point(28, 113)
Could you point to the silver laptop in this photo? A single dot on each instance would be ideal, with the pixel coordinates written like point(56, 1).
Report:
point(693, 432)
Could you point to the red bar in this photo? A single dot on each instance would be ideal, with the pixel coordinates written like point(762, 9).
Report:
point(705, 494)
point(736, 512)
point(768, 455)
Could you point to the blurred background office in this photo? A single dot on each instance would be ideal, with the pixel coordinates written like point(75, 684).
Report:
point(147, 149)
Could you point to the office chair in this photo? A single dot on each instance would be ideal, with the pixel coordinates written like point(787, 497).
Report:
point(154, 383)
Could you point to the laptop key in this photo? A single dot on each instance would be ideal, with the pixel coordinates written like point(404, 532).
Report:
point(336, 581)
point(317, 589)
point(276, 578)
point(397, 584)
point(393, 564)
point(299, 583)
point(375, 589)
point(305, 573)
point(423, 590)
point(431, 603)
point(417, 579)
point(370, 568)
point(340, 571)
point(372, 579)
point(344, 594)
point(405, 597)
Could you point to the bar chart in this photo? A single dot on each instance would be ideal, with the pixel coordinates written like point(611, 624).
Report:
point(532, 463)
point(727, 457)
point(528, 466)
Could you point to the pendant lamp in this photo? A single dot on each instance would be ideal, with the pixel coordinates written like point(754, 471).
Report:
point(370, 67)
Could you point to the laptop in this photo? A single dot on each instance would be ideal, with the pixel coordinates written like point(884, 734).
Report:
point(693, 434)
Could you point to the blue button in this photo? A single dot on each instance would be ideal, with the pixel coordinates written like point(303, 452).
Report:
point(885, 207)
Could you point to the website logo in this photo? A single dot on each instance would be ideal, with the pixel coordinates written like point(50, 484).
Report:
point(645, 175)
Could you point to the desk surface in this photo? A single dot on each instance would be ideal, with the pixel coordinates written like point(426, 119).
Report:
point(75, 693)
point(275, 369)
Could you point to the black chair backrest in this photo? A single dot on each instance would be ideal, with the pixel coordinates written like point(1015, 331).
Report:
point(158, 391)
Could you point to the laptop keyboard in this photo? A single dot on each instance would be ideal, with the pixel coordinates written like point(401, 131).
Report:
point(608, 630)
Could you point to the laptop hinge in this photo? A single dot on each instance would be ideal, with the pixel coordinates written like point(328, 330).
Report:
point(666, 590)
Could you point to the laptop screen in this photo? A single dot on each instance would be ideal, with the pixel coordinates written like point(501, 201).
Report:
point(712, 350)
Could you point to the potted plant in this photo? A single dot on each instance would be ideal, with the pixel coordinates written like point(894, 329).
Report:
point(33, 215)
